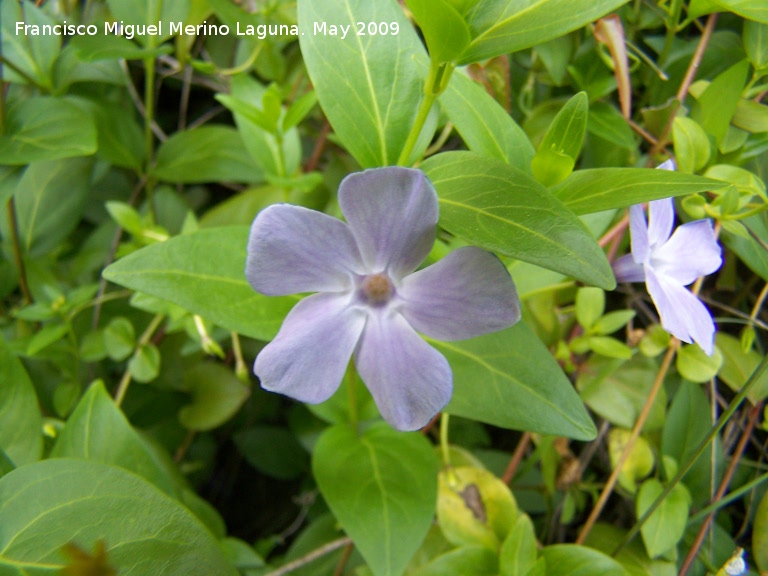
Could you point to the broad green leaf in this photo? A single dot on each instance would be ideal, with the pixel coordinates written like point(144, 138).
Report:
point(598, 189)
point(60, 501)
point(217, 394)
point(693, 363)
point(204, 272)
point(206, 154)
point(750, 251)
point(445, 31)
point(573, 560)
point(665, 527)
point(368, 86)
point(691, 145)
point(121, 138)
point(606, 122)
point(497, 207)
point(519, 551)
point(607, 538)
point(503, 26)
point(112, 47)
point(590, 304)
point(145, 363)
point(760, 535)
point(639, 462)
point(755, 38)
point(751, 116)
point(738, 366)
point(382, 488)
point(46, 128)
point(463, 561)
point(563, 137)
point(50, 199)
point(484, 125)
point(717, 104)
point(510, 379)
point(157, 13)
point(119, 338)
point(32, 53)
point(21, 425)
point(749, 9)
point(99, 432)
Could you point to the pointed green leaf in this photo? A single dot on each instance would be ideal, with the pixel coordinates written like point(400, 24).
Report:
point(510, 379)
point(21, 425)
point(33, 54)
point(756, 43)
point(717, 104)
point(204, 272)
point(598, 189)
point(691, 145)
point(60, 501)
point(573, 560)
point(206, 154)
point(382, 488)
point(665, 527)
point(519, 552)
point(564, 136)
point(503, 26)
point(46, 128)
point(484, 125)
point(444, 30)
point(497, 207)
point(368, 85)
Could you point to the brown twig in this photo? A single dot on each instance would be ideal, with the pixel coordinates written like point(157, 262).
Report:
point(311, 557)
point(344, 559)
point(317, 152)
point(517, 457)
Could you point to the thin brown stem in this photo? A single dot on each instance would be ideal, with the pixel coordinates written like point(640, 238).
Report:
point(311, 557)
point(517, 457)
point(344, 559)
point(19, 259)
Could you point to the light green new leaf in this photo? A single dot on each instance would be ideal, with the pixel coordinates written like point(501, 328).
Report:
point(21, 425)
point(717, 104)
point(497, 207)
point(564, 137)
point(204, 272)
point(510, 379)
point(573, 560)
point(749, 9)
point(50, 199)
point(691, 145)
point(206, 154)
point(33, 54)
point(46, 128)
point(444, 30)
point(369, 86)
point(598, 189)
point(98, 431)
point(755, 38)
point(502, 26)
point(519, 552)
point(665, 527)
point(60, 501)
point(484, 125)
point(382, 488)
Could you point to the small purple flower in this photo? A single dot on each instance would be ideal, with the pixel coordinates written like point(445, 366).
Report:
point(370, 302)
point(667, 263)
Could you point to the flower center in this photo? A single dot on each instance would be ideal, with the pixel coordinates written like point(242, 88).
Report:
point(376, 288)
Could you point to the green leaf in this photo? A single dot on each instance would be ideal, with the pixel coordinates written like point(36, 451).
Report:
point(749, 250)
point(519, 551)
point(760, 535)
point(272, 450)
point(755, 38)
point(510, 379)
point(206, 154)
point(639, 462)
point(368, 86)
point(590, 304)
point(217, 394)
point(749, 9)
point(121, 138)
point(98, 431)
point(598, 189)
point(503, 26)
point(81, 502)
point(150, 13)
point(112, 47)
point(497, 207)
point(606, 122)
point(45, 337)
point(691, 145)
point(573, 560)
point(610, 347)
point(612, 321)
point(564, 136)
point(203, 272)
point(444, 29)
point(34, 54)
point(145, 363)
point(299, 109)
point(484, 125)
point(21, 424)
point(751, 116)
point(382, 488)
point(665, 527)
point(463, 561)
point(738, 366)
point(119, 338)
point(717, 104)
point(46, 128)
point(50, 199)
point(694, 364)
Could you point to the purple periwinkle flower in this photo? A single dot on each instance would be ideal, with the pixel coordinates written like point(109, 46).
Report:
point(370, 303)
point(667, 263)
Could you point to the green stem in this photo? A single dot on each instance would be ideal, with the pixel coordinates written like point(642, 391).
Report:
point(352, 396)
point(149, 114)
point(758, 376)
point(444, 446)
point(125, 381)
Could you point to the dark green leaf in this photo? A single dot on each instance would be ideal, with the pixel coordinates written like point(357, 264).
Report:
point(204, 272)
point(382, 487)
point(598, 189)
point(497, 207)
point(510, 379)
point(274, 451)
point(217, 394)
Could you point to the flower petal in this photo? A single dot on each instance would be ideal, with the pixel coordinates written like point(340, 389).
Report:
point(638, 229)
point(682, 314)
point(668, 164)
point(308, 357)
point(692, 251)
point(392, 213)
point(661, 218)
point(409, 380)
point(466, 294)
point(293, 249)
point(627, 270)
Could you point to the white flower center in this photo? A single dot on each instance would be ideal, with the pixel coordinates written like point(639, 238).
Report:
point(376, 288)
